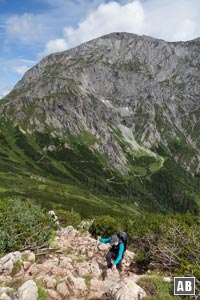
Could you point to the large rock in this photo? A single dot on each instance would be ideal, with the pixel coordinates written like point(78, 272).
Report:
point(7, 262)
point(76, 285)
point(28, 256)
point(95, 270)
point(4, 296)
point(66, 262)
point(126, 290)
point(49, 282)
point(5, 278)
point(28, 291)
point(62, 289)
point(6, 290)
point(53, 294)
point(98, 289)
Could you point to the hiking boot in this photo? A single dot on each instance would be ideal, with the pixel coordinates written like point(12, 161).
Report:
point(119, 267)
point(109, 266)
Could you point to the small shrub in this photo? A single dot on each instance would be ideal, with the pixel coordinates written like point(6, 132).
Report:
point(156, 289)
point(22, 224)
point(16, 267)
point(41, 294)
point(68, 251)
point(67, 218)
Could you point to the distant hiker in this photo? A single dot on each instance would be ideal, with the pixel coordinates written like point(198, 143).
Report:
point(53, 215)
point(118, 246)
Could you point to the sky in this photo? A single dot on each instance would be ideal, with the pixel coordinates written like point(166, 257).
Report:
point(32, 29)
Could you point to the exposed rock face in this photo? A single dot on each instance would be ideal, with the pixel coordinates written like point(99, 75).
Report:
point(137, 88)
point(72, 274)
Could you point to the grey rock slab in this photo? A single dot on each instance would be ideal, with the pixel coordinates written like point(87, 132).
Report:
point(28, 291)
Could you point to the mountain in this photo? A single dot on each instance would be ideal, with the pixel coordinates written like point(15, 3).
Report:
point(109, 126)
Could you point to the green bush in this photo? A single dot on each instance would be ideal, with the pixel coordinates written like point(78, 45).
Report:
point(22, 224)
point(156, 289)
point(166, 242)
point(106, 225)
point(67, 218)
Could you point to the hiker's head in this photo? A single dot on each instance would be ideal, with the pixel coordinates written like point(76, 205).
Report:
point(114, 240)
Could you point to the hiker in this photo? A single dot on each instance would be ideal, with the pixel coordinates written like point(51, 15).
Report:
point(116, 252)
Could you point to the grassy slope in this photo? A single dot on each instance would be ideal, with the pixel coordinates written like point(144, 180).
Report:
point(80, 178)
point(64, 178)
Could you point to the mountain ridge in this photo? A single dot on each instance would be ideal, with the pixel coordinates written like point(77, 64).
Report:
point(131, 101)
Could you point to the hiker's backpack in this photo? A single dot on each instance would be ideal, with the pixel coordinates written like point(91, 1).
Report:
point(123, 238)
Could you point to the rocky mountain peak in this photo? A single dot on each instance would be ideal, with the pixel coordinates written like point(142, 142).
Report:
point(131, 101)
point(121, 79)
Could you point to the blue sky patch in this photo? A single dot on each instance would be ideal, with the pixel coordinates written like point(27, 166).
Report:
point(30, 30)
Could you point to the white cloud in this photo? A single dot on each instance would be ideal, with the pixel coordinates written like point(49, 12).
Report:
point(185, 31)
point(26, 28)
point(39, 28)
point(17, 66)
point(171, 20)
point(105, 19)
point(3, 93)
point(54, 46)
point(20, 69)
point(10, 72)
point(4, 90)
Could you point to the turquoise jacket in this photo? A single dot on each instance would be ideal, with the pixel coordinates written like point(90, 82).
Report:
point(121, 249)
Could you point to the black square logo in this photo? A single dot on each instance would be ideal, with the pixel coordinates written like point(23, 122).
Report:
point(184, 285)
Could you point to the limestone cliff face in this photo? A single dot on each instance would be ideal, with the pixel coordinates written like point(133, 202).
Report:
point(123, 89)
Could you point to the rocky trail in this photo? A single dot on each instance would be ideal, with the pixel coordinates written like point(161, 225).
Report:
point(76, 270)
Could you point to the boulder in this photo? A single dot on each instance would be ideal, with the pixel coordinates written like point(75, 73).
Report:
point(98, 289)
point(28, 291)
point(34, 270)
point(26, 265)
point(7, 262)
point(126, 290)
point(95, 270)
point(62, 289)
point(6, 290)
point(49, 282)
point(29, 255)
point(66, 262)
point(53, 294)
point(82, 269)
point(4, 296)
point(5, 278)
point(76, 285)
point(68, 229)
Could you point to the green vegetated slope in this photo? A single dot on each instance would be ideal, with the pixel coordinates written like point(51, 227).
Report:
point(52, 179)
point(74, 176)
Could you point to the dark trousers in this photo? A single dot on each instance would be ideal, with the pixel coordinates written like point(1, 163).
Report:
point(112, 255)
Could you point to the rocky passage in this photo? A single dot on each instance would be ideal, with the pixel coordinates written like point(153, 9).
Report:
point(76, 270)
